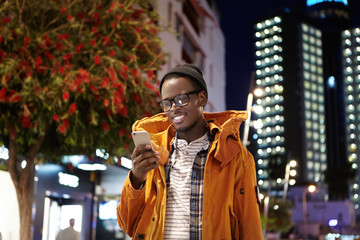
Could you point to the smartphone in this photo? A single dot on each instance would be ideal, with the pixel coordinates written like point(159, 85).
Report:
point(141, 138)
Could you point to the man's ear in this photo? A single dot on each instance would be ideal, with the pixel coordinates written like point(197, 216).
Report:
point(203, 98)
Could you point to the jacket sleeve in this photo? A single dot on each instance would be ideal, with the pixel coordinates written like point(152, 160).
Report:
point(131, 205)
point(246, 198)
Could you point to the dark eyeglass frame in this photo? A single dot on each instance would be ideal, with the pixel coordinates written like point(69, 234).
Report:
point(172, 100)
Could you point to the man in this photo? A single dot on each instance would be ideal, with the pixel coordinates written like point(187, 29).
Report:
point(199, 182)
point(69, 233)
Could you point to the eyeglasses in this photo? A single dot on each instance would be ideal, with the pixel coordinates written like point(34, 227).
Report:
point(180, 100)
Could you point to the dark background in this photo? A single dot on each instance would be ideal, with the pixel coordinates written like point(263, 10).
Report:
point(237, 19)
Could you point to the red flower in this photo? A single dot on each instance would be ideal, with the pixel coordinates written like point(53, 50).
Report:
point(63, 36)
point(72, 108)
point(66, 123)
point(105, 126)
point(1, 39)
point(62, 129)
point(137, 98)
point(94, 30)
point(3, 94)
point(6, 20)
point(126, 145)
point(38, 60)
point(112, 53)
point(79, 47)
point(67, 57)
point(150, 74)
point(93, 88)
point(120, 43)
point(106, 102)
point(122, 132)
point(56, 117)
point(26, 122)
point(63, 10)
point(61, 70)
point(83, 73)
point(123, 111)
point(138, 29)
point(153, 30)
point(135, 72)
point(97, 60)
point(92, 42)
point(106, 40)
point(150, 86)
point(15, 98)
point(69, 17)
point(2, 54)
point(49, 56)
point(112, 74)
point(105, 82)
point(147, 114)
point(26, 41)
point(59, 46)
point(108, 111)
point(66, 96)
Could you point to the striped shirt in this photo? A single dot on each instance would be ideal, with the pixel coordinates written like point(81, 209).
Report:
point(184, 180)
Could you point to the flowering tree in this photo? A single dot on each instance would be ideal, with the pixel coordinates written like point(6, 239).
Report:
point(74, 76)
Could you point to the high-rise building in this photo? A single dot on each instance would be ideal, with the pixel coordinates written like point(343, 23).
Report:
point(307, 62)
point(351, 71)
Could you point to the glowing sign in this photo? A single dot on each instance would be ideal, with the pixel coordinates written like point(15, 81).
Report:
point(68, 180)
point(313, 2)
point(333, 222)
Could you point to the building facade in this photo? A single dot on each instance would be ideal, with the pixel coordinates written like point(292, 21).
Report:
point(196, 37)
point(307, 64)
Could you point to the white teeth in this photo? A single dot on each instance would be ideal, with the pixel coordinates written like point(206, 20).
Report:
point(178, 118)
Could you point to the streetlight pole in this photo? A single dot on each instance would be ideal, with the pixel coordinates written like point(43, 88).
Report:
point(247, 122)
point(311, 189)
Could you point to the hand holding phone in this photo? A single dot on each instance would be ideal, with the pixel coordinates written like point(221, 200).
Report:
point(141, 138)
point(144, 160)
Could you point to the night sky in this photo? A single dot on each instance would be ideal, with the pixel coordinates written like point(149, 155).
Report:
point(237, 18)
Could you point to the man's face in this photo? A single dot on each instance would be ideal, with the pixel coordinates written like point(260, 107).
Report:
point(188, 118)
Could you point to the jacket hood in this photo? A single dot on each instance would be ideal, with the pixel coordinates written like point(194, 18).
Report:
point(222, 120)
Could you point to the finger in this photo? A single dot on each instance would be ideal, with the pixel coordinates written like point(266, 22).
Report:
point(139, 149)
point(145, 159)
point(150, 166)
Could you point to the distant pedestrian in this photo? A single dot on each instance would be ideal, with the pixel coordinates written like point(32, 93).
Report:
point(69, 233)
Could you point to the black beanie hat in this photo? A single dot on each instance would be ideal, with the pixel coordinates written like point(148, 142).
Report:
point(188, 70)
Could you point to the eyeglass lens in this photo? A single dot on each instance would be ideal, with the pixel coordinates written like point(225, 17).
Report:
point(179, 100)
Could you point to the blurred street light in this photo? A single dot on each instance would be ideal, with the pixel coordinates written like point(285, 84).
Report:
point(290, 173)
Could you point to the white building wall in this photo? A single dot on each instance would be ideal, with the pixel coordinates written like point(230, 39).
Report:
point(210, 42)
point(9, 210)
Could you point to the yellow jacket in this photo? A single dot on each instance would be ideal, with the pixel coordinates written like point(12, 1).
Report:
point(230, 203)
